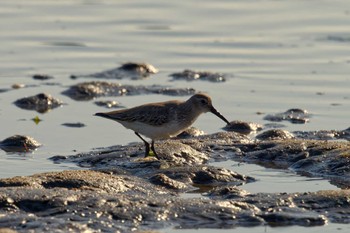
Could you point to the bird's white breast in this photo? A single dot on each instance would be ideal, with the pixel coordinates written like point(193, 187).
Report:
point(164, 131)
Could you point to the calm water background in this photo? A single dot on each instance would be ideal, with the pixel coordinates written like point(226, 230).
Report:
point(278, 54)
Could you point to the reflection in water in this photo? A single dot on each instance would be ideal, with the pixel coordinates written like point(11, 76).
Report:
point(271, 180)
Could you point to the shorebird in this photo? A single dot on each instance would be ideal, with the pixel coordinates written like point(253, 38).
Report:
point(162, 120)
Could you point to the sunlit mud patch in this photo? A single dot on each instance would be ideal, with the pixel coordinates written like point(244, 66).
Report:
point(91, 90)
point(130, 70)
point(19, 143)
point(294, 115)
point(324, 134)
point(243, 127)
point(191, 75)
point(41, 103)
point(109, 104)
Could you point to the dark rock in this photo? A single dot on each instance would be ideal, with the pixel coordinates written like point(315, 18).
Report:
point(275, 134)
point(214, 176)
point(19, 143)
point(345, 134)
point(128, 70)
point(216, 140)
point(324, 134)
point(333, 203)
point(41, 103)
point(141, 68)
point(243, 127)
point(42, 77)
point(74, 125)
point(227, 192)
point(190, 75)
point(305, 209)
point(173, 150)
point(318, 135)
point(165, 181)
point(317, 158)
point(91, 90)
point(202, 176)
point(172, 91)
point(109, 104)
point(274, 153)
point(294, 115)
point(287, 216)
point(190, 133)
point(335, 162)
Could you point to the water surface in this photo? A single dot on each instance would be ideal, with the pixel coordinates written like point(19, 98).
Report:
point(277, 54)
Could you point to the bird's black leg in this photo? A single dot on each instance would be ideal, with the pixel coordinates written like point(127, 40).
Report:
point(146, 144)
point(154, 151)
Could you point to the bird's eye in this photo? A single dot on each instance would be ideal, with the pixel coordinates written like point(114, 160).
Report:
point(203, 101)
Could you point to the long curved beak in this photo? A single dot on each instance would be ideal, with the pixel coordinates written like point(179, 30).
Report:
point(214, 111)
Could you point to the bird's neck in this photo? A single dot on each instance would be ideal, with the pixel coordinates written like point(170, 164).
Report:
point(187, 113)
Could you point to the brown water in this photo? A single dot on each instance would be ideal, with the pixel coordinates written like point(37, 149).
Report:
point(277, 54)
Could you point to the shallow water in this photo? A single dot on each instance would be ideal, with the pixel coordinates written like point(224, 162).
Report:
point(278, 180)
point(277, 55)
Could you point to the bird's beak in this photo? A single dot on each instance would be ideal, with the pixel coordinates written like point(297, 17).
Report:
point(214, 111)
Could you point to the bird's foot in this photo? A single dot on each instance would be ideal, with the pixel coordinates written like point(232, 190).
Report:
point(151, 154)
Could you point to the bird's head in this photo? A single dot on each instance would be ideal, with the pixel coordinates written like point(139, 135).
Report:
point(203, 103)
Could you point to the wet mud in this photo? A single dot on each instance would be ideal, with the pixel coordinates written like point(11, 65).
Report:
point(109, 104)
point(19, 143)
point(191, 75)
point(101, 201)
point(275, 134)
point(117, 189)
point(130, 70)
point(41, 103)
point(330, 159)
point(324, 134)
point(243, 127)
point(293, 115)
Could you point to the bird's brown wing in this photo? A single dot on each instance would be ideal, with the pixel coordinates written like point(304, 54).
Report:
point(153, 114)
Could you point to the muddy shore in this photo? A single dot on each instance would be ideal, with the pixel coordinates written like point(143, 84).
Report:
point(122, 191)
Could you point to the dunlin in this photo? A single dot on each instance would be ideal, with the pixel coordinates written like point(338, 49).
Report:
point(164, 119)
